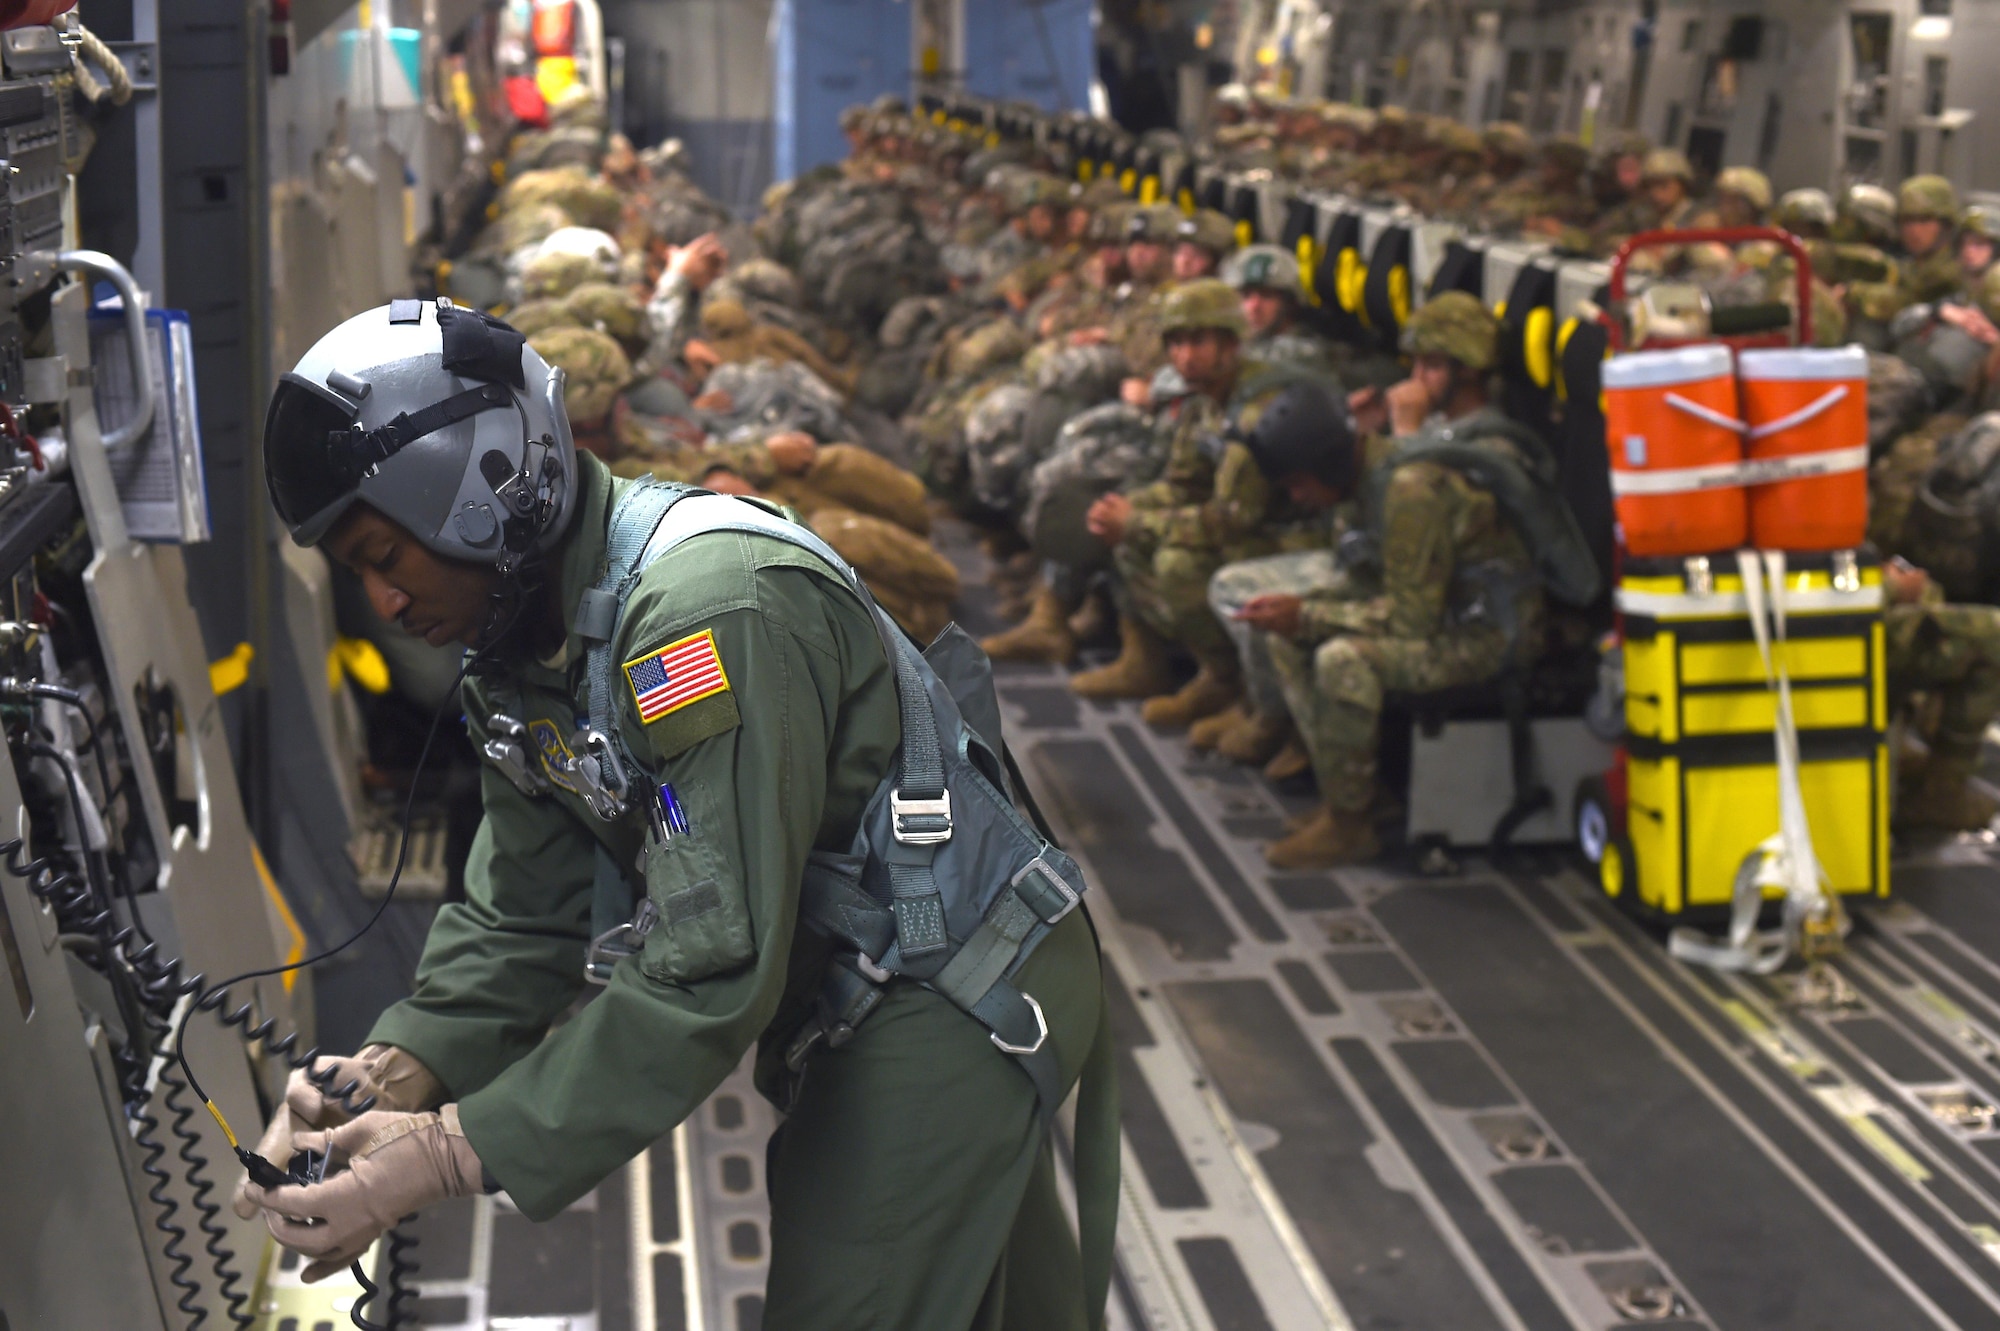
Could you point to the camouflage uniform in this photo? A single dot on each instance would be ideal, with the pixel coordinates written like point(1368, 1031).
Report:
point(1421, 624)
point(1923, 278)
point(1210, 506)
point(1948, 649)
point(1096, 451)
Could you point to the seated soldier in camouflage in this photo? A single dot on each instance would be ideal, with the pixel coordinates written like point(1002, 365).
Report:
point(1450, 599)
point(1201, 243)
point(1209, 508)
point(1926, 218)
point(1305, 446)
point(1978, 230)
point(1949, 654)
point(1267, 279)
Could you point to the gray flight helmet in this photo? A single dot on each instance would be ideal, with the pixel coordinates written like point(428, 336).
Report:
point(440, 418)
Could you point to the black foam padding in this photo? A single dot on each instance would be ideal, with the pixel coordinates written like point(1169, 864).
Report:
point(1153, 886)
point(1699, 1191)
point(1559, 1205)
point(1454, 1074)
point(1387, 1263)
point(1462, 269)
point(1225, 1289)
point(1392, 251)
point(1305, 987)
point(1372, 971)
point(1168, 1173)
point(1583, 466)
point(1213, 858)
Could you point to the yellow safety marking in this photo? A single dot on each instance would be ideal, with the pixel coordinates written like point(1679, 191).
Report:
point(1399, 294)
point(1893, 1154)
point(1537, 345)
point(232, 671)
point(1941, 1005)
point(359, 660)
point(1984, 1235)
point(291, 921)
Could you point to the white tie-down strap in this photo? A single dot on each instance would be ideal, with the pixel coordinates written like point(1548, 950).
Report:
point(1824, 403)
point(1729, 475)
point(1786, 859)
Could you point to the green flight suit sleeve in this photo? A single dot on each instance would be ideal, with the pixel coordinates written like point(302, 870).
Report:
point(499, 966)
point(1419, 525)
point(804, 713)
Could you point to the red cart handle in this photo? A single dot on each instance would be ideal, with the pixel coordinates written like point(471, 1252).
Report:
point(1721, 235)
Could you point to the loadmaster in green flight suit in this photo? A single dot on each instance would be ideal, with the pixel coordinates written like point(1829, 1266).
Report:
point(741, 677)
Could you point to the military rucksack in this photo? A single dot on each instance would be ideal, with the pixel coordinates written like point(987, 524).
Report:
point(1522, 478)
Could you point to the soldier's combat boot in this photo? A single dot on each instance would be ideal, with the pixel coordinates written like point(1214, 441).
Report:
point(1141, 670)
point(1209, 692)
point(1256, 740)
point(1292, 761)
point(1093, 619)
point(1206, 733)
point(1043, 636)
point(1944, 799)
point(1330, 836)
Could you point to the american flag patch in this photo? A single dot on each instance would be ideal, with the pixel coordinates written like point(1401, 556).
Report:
point(676, 675)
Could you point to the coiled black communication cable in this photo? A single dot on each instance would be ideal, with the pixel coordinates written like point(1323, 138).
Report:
point(212, 997)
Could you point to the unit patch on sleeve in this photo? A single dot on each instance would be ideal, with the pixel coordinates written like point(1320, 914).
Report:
point(683, 672)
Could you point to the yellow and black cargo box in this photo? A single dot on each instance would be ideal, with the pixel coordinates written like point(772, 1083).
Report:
point(1701, 776)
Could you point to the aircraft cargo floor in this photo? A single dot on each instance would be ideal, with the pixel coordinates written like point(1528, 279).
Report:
point(1371, 1099)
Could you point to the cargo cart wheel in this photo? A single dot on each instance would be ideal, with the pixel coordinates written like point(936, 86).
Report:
point(1591, 818)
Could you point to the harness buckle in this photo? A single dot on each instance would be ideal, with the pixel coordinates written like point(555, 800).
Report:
point(508, 751)
point(600, 776)
point(619, 942)
point(902, 810)
point(1041, 1032)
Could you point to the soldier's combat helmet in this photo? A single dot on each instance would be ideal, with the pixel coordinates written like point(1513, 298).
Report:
point(1457, 325)
point(1668, 164)
point(1748, 184)
point(1263, 267)
point(1922, 198)
point(1806, 212)
point(1306, 430)
point(1206, 303)
point(440, 418)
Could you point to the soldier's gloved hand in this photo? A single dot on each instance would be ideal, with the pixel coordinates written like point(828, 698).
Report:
point(394, 1164)
point(395, 1078)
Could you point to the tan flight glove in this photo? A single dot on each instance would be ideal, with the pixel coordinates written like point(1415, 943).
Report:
point(389, 1165)
point(395, 1077)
